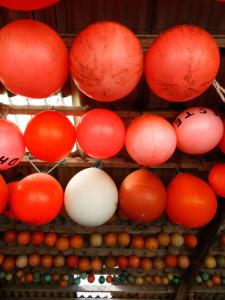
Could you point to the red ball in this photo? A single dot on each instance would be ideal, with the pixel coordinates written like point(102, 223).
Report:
point(150, 140)
point(37, 199)
point(13, 148)
point(50, 136)
point(190, 201)
point(142, 196)
point(217, 179)
point(222, 141)
point(27, 4)
point(33, 59)
point(9, 213)
point(3, 194)
point(182, 63)
point(101, 133)
point(106, 61)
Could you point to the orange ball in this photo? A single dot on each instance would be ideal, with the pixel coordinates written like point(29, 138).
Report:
point(110, 239)
point(190, 240)
point(47, 261)
point(8, 263)
point(62, 243)
point(142, 196)
point(110, 262)
point(122, 262)
point(134, 261)
point(23, 237)
point(151, 243)
point(123, 239)
point(138, 242)
point(34, 260)
point(84, 264)
point(146, 264)
point(171, 261)
point(9, 236)
point(96, 264)
point(37, 238)
point(217, 179)
point(50, 136)
point(50, 239)
point(190, 201)
point(76, 241)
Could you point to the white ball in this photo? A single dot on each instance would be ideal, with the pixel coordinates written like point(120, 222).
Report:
point(91, 197)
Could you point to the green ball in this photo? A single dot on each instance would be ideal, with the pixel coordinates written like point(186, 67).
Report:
point(101, 279)
point(176, 281)
point(122, 278)
point(77, 281)
point(83, 275)
point(48, 278)
point(205, 276)
point(198, 279)
point(36, 276)
point(223, 280)
point(2, 274)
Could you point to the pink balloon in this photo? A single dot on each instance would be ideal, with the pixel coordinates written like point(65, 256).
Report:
point(150, 140)
point(198, 130)
point(12, 147)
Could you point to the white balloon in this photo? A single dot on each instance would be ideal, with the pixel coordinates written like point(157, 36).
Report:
point(91, 197)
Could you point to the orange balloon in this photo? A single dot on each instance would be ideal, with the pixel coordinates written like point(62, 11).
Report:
point(37, 199)
point(3, 194)
point(50, 136)
point(217, 179)
point(142, 196)
point(190, 201)
point(8, 212)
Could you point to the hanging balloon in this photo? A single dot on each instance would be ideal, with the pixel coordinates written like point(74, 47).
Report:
point(182, 63)
point(3, 194)
point(103, 57)
point(37, 199)
point(12, 144)
point(27, 4)
point(101, 133)
point(91, 197)
point(217, 179)
point(8, 212)
point(150, 140)
point(190, 201)
point(30, 54)
point(198, 130)
point(222, 141)
point(142, 196)
point(50, 136)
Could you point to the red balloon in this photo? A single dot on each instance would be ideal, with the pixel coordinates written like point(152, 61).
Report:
point(142, 196)
point(27, 4)
point(50, 136)
point(190, 201)
point(101, 133)
point(37, 199)
point(9, 213)
point(182, 63)
point(33, 59)
point(3, 194)
point(150, 140)
point(217, 179)
point(222, 142)
point(12, 145)
point(106, 61)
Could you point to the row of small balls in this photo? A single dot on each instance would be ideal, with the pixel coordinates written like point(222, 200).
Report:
point(77, 241)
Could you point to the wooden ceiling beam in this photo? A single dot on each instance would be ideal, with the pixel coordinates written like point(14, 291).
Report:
point(145, 40)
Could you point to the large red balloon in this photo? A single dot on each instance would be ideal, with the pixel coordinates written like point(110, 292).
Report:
point(150, 140)
point(106, 61)
point(12, 147)
point(222, 141)
point(182, 63)
point(37, 199)
point(3, 194)
point(142, 196)
point(217, 179)
point(190, 201)
point(101, 133)
point(27, 4)
point(50, 136)
point(33, 59)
